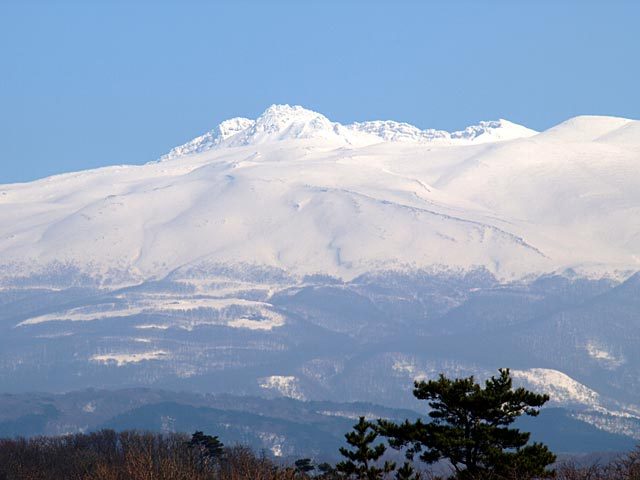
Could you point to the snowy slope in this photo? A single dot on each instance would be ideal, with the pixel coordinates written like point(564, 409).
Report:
point(295, 191)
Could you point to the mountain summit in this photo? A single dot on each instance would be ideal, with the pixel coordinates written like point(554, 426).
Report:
point(285, 122)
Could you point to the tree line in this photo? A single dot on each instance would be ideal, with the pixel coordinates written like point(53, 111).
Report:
point(469, 432)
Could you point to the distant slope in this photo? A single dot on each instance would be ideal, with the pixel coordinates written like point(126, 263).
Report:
point(282, 427)
point(563, 434)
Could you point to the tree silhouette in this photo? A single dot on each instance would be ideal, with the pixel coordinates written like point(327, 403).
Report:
point(210, 449)
point(406, 472)
point(361, 460)
point(304, 465)
point(470, 428)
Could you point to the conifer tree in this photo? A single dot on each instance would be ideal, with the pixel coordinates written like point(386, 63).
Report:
point(328, 472)
point(360, 463)
point(210, 447)
point(470, 428)
point(304, 465)
point(406, 472)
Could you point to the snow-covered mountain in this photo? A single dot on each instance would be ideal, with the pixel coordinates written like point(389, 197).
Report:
point(292, 255)
point(295, 191)
point(284, 122)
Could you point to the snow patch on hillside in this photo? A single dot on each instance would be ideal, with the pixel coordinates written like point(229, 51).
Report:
point(269, 321)
point(81, 314)
point(285, 385)
point(122, 359)
point(232, 312)
point(408, 366)
point(599, 353)
point(371, 416)
point(560, 387)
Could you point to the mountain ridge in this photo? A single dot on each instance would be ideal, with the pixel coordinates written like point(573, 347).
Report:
point(285, 122)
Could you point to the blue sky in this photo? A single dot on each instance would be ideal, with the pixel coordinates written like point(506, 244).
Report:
point(85, 84)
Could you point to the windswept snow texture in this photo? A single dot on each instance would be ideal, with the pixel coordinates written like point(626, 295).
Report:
point(292, 255)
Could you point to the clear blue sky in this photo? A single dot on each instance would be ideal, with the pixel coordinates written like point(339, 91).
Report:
point(91, 83)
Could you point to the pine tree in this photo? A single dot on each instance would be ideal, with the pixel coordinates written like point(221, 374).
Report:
point(327, 472)
point(361, 460)
point(470, 428)
point(406, 472)
point(304, 465)
point(210, 447)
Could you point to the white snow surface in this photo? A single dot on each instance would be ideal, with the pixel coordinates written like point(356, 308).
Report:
point(284, 122)
point(568, 392)
point(298, 192)
point(257, 316)
point(604, 356)
point(284, 385)
point(560, 387)
point(122, 359)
